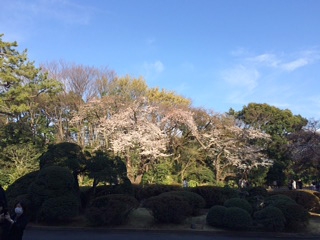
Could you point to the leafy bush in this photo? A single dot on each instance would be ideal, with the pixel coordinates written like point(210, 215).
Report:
point(59, 209)
point(110, 210)
point(257, 191)
point(297, 217)
point(168, 208)
point(215, 216)
point(144, 192)
point(240, 203)
point(306, 198)
point(51, 182)
point(215, 195)
point(18, 191)
point(237, 218)
point(278, 200)
point(271, 218)
point(195, 200)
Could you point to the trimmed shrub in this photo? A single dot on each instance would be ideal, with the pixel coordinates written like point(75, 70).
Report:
point(237, 219)
point(215, 216)
point(195, 200)
point(215, 195)
point(144, 192)
point(297, 217)
point(306, 198)
point(278, 200)
point(59, 210)
point(271, 218)
point(168, 208)
point(51, 182)
point(257, 191)
point(240, 203)
point(112, 209)
point(18, 191)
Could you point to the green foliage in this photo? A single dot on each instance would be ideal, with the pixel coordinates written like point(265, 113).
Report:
point(305, 198)
point(240, 203)
point(215, 195)
point(64, 155)
point(19, 189)
point(237, 218)
point(195, 200)
point(112, 209)
point(144, 192)
point(159, 174)
point(19, 160)
point(51, 182)
point(59, 210)
point(271, 218)
point(257, 191)
point(107, 169)
point(296, 216)
point(168, 208)
point(215, 216)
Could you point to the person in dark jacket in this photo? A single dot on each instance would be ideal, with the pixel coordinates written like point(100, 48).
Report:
point(17, 222)
point(3, 212)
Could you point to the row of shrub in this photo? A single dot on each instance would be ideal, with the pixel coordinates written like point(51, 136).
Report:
point(277, 213)
point(53, 198)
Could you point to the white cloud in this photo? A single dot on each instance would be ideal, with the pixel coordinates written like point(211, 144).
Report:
point(241, 76)
point(293, 65)
point(154, 68)
point(285, 62)
point(267, 59)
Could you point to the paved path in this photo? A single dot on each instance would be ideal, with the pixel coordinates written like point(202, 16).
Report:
point(78, 234)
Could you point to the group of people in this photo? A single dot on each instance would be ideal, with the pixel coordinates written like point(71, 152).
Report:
point(293, 184)
point(11, 225)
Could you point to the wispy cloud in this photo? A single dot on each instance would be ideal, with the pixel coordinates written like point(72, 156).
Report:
point(241, 76)
point(64, 11)
point(285, 62)
point(152, 69)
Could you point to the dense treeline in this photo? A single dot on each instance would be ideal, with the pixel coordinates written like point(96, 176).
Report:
point(151, 135)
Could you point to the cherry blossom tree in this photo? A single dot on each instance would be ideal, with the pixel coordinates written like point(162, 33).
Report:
point(232, 149)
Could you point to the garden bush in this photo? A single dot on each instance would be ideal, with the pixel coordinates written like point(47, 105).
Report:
point(168, 208)
point(144, 192)
point(215, 216)
point(237, 219)
point(278, 200)
point(215, 195)
point(59, 210)
point(195, 200)
point(51, 182)
point(297, 217)
point(112, 209)
point(271, 218)
point(306, 198)
point(240, 203)
point(18, 190)
point(257, 191)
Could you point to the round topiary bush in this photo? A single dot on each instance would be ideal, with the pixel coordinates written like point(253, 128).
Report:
point(240, 203)
point(18, 191)
point(59, 210)
point(215, 216)
point(195, 200)
point(111, 209)
point(168, 208)
point(297, 217)
point(51, 182)
point(271, 218)
point(237, 218)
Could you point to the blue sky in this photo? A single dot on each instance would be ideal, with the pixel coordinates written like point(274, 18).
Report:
point(218, 53)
